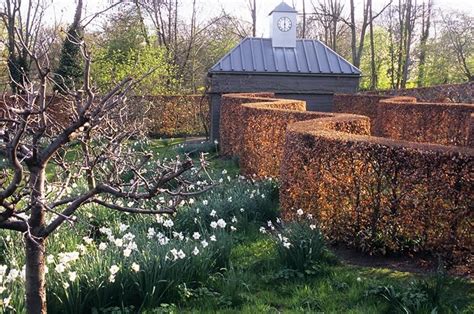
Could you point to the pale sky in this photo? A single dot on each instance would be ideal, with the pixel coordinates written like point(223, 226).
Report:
point(63, 10)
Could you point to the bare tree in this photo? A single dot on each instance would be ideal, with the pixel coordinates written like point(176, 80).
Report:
point(426, 12)
point(22, 20)
point(407, 16)
point(304, 20)
point(253, 10)
point(373, 68)
point(328, 14)
point(459, 30)
point(35, 136)
point(357, 43)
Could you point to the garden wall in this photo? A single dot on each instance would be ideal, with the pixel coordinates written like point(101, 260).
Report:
point(376, 193)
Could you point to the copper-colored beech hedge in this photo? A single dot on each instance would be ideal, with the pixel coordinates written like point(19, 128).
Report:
point(173, 116)
point(376, 193)
point(167, 116)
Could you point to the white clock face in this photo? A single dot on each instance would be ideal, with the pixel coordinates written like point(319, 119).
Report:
point(284, 24)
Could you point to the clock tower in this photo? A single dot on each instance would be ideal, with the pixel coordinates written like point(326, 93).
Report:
point(283, 26)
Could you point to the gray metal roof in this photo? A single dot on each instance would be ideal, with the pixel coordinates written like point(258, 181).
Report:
point(283, 7)
point(310, 57)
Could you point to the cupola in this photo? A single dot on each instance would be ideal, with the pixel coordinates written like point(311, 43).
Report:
point(283, 26)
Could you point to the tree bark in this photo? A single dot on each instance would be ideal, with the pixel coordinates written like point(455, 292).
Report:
point(253, 9)
point(304, 20)
point(35, 276)
point(35, 246)
point(408, 41)
point(373, 69)
point(425, 32)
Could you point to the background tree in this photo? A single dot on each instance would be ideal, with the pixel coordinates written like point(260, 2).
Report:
point(69, 72)
point(427, 10)
point(459, 31)
point(22, 21)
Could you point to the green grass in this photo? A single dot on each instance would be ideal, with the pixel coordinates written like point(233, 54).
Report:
point(244, 271)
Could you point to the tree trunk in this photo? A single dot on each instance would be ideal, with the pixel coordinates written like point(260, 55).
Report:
point(35, 246)
point(304, 20)
point(425, 32)
point(408, 38)
point(254, 18)
point(353, 35)
point(373, 69)
point(35, 276)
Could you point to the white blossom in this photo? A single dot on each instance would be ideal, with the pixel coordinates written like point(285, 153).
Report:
point(196, 251)
point(135, 267)
point(181, 254)
point(151, 233)
point(196, 235)
point(60, 268)
point(123, 227)
point(168, 223)
point(300, 212)
point(221, 223)
point(127, 252)
point(87, 240)
point(118, 242)
point(114, 269)
point(72, 276)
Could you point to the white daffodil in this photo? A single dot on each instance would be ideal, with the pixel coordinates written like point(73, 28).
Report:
point(114, 269)
point(168, 223)
point(221, 223)
point(72, 276)
point(135, 267)
point(127, 252)
point(60, 268)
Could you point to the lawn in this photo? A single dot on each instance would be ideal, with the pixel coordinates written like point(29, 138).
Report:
point(225, 251)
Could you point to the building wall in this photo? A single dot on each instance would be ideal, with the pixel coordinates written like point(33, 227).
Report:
point(314, 102)
point(316, 90)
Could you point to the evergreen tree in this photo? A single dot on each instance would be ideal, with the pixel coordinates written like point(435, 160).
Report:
point(70, 69)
